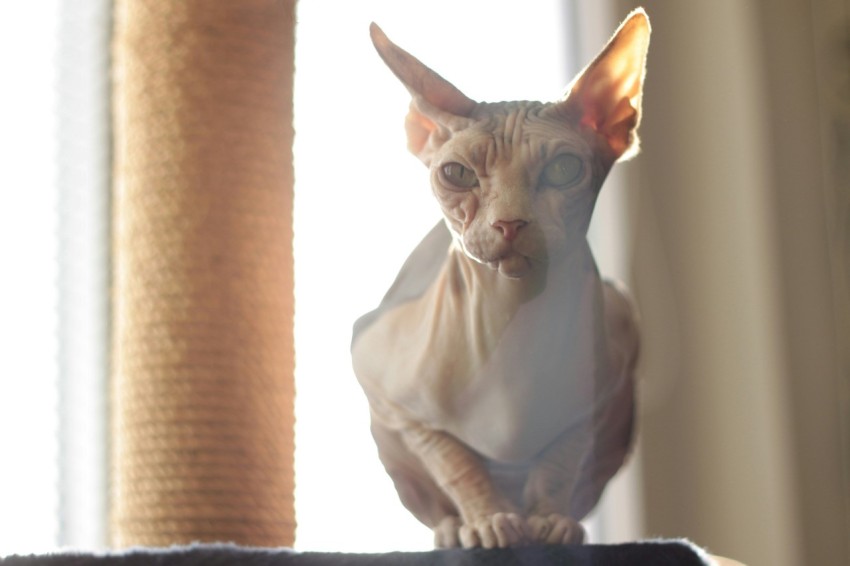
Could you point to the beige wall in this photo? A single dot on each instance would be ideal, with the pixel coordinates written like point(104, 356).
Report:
point(738, 228)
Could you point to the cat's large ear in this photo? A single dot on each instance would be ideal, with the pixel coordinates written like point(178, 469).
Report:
point(437, 106)
point(606, 95)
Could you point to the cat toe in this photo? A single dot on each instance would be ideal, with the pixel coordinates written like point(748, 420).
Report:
point(500, 530)
point(446, 533)
point(539, 528)
point(556, 529)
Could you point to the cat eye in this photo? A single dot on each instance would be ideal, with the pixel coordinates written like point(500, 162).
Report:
point(563, 171)
point(459, 175)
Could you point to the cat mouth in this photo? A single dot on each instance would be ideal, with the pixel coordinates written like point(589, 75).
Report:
point(512, 265)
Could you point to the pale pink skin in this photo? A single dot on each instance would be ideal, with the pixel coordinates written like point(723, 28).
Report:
point(502, 395)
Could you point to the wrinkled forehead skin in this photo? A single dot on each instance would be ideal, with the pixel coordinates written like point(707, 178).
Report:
point(525, 135)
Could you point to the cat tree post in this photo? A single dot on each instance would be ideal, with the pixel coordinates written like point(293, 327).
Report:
point(203, 351)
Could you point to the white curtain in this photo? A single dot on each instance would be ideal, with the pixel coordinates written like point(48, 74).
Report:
point(83, 183)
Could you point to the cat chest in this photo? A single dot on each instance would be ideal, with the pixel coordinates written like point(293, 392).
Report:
point(506, 383)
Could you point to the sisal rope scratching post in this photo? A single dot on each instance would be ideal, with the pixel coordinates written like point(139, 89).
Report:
point(202, 333)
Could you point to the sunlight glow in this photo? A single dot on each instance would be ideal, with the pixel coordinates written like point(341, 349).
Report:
point(361, 204)
point(28, 447)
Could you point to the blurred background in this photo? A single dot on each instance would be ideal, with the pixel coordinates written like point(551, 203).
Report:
point(731, 228)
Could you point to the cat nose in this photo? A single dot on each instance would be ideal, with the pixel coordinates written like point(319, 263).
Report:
point(509, 228)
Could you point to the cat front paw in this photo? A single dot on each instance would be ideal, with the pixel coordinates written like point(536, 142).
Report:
point(555, 529)
point(499, 530)
point(447, 532)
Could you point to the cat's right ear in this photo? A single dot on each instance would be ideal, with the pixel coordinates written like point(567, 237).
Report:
point(606, 96)
point(437, 108)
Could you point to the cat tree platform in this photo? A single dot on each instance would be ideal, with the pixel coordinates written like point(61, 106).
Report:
point(658, 553)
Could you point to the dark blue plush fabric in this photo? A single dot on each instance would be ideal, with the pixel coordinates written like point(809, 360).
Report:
point(654, 553)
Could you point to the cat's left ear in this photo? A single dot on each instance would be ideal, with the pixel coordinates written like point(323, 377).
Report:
point(606, 95)
point(437, 106)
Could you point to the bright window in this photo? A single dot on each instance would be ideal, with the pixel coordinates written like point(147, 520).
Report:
point(28, 316)
point(361, 204)
point(54, 291)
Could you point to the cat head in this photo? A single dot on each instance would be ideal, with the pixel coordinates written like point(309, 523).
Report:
point(517, 181)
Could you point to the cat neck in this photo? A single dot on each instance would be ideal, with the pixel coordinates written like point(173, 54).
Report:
point(497, 293)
